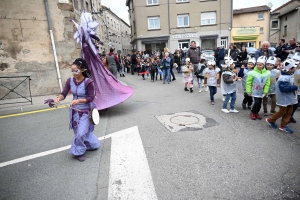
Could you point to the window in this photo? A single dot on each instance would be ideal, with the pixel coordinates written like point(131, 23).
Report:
point(152, 2)
point(285, 30)
point(182, 20)
point(261, 30)
point(180, 1)
point(260, 16)
point(182, 44)
point(153, 23)
point(274, 24)
point(208, 18)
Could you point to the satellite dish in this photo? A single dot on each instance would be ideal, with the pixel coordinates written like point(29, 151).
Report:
point(270, 5)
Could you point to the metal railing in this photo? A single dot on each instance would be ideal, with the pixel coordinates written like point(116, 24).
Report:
point(13, 89)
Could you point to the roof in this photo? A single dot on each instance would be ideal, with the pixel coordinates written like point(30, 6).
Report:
point(283, 5)
point(251, 9)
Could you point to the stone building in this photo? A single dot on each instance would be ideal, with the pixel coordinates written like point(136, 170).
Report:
point(250, 26)
point(156, 24)
point(285, 22)
point(26, 46)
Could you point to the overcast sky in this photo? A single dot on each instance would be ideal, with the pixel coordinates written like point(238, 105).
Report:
point(120, 9)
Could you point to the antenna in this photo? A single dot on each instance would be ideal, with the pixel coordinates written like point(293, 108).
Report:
point(270, 5)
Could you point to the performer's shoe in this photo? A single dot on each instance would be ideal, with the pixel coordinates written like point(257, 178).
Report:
point(80, 158)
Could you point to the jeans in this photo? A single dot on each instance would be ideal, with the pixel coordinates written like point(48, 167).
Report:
point(213, 91)
point(121, 71)
point(166, 73)
point(227, 97)
point(200, 83)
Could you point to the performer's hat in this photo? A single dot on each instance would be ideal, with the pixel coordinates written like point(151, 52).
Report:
point(188, 60)
point(252, 60)
point(261, 59)
point(211, 62)
point(271, 60)
point(202, 57)
point(289, 64)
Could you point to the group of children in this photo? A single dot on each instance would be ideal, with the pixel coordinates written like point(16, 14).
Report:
point(261, 79)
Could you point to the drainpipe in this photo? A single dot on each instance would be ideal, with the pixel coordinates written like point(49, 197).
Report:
point(169, 41)
point(53, 44)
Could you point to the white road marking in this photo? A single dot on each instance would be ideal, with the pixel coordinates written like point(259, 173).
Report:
point(129, 175)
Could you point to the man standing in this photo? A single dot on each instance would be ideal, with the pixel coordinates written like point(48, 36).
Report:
point(292, 45)
point(194, 54)
point(280, 51)
point(112, 60)
point(133, 62)
point(264, 50)
point(221, 55)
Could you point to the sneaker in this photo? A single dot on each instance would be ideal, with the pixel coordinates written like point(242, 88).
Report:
point(185, 89)
point(225, 110)
point(249, 107)
point(286, 129)
point(233, 111)
point(191, 90)
point(266, 114)
point(244, 106)
point(257, 116)
point(271, 124)
point(252, 116)
point(212, 103)
point(293, 120)
point(206, 89)
point(200, 90)
point(229, 101)
point(80, 158)
point(223, 98)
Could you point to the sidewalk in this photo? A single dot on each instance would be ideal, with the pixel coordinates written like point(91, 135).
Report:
point(37, 104)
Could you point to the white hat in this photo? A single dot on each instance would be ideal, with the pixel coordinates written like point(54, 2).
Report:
point(220, 45)
point(202, 57)
point(211, 62)
point(252, 60)
point(296, 57)
point(288, 64)
point(271, 60)
point(229, 61)
point(187, 59)
point(226, 57)
point(261, 59)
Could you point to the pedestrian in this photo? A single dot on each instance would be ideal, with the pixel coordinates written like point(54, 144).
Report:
point(143, 69)
point(177, 60)
point(120, 65)
point(274, 74)
point(153, 68)
point(128, 64)
point(187, 74)
point(242, 56)
point(264, 51)
point(194, 54)
point(286, 93)
point(200, 73)
point(212, 79)
point(281, 50)
point(133, 62)
point(221, 55)
point(83, 92)
point(228, 86)
point(258, 85)
point(278, 64)
point(171, 56)
point(166, 63)
point(296, 58)
point(243, 73)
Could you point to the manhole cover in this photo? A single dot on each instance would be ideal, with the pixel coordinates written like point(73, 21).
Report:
point(183, 120)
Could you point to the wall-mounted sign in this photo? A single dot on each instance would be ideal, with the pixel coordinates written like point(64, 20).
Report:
point(63, 1)
point(246, 31)
point(184, 36)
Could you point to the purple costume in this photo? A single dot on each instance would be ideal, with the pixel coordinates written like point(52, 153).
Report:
point(80, 122)
point(109, 91)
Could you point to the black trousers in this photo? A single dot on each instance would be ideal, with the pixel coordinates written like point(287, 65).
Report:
point(247, 99)
point(172, 73)
point(257, 105)
point(295, 106)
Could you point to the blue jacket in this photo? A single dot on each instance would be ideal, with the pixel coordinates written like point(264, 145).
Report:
point(259, 53)
point(285, 90)
point(166, 63)
point(221, 54)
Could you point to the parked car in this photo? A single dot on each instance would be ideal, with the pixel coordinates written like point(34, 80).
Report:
point(209, 54)
point(272, 49)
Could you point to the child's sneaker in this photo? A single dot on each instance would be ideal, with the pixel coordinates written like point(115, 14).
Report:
point(257, 116)
point(233, 111)
point(244, 106)
point(271, 124)
point(185, 89)
point(252, 116)
point(200, 90)
point(212, 103)
point(266, 114)
point(191, 90)
point(225, 110)
point(249, 107)
point(286, 129)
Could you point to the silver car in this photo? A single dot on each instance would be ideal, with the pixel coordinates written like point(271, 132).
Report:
point(209, 54)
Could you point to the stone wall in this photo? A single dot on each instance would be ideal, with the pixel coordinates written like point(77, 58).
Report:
point(25, 45)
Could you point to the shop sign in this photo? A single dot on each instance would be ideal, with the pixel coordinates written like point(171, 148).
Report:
point(184, 36)
point(63, 1)
point(247, 31)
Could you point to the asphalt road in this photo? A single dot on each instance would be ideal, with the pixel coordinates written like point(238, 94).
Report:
point(231, 157)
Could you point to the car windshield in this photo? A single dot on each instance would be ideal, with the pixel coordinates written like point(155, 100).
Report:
point(250, 49)
point(208, 52)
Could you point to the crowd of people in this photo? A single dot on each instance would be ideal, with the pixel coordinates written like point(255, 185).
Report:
point(267, 76)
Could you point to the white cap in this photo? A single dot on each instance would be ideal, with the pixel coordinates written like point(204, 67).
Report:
point(211, 62)
point(296, 57)
point(288, 64)
point(202, 57)
point(229, 61)
point(271, 60)
point(187, 59)
point(226, 57)
point(261, 59)
point(252, 60)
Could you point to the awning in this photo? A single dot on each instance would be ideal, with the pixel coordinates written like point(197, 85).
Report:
point(203, 37)
point(249, 37)
point(155, 40)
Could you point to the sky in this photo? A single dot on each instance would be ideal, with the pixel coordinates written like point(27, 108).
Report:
point(120, 9)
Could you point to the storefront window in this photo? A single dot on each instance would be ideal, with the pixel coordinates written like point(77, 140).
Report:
point(182, 44)
point(155, 47)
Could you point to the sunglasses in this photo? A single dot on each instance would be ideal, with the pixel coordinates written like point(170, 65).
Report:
point(298, 46)
point(77, 71)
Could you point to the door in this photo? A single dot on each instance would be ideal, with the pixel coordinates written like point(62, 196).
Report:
point(224, 42)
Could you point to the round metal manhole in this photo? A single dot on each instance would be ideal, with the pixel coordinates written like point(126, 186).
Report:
point(183, 120)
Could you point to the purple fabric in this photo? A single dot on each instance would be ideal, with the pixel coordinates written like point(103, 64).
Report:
point(109, 91)
point(50, 102)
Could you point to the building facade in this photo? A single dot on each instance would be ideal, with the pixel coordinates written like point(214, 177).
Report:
point(26, 43)
point(285, 22)
point(156, 24)
point(250, 26)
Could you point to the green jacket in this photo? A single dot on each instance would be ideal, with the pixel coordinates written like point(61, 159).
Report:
point(258, 82)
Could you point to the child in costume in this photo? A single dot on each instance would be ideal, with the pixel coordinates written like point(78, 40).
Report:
point(258, 85)
point(296, 58)
point(212, 79)
point(286, 95)
point(200, 73)
point(187, 70)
